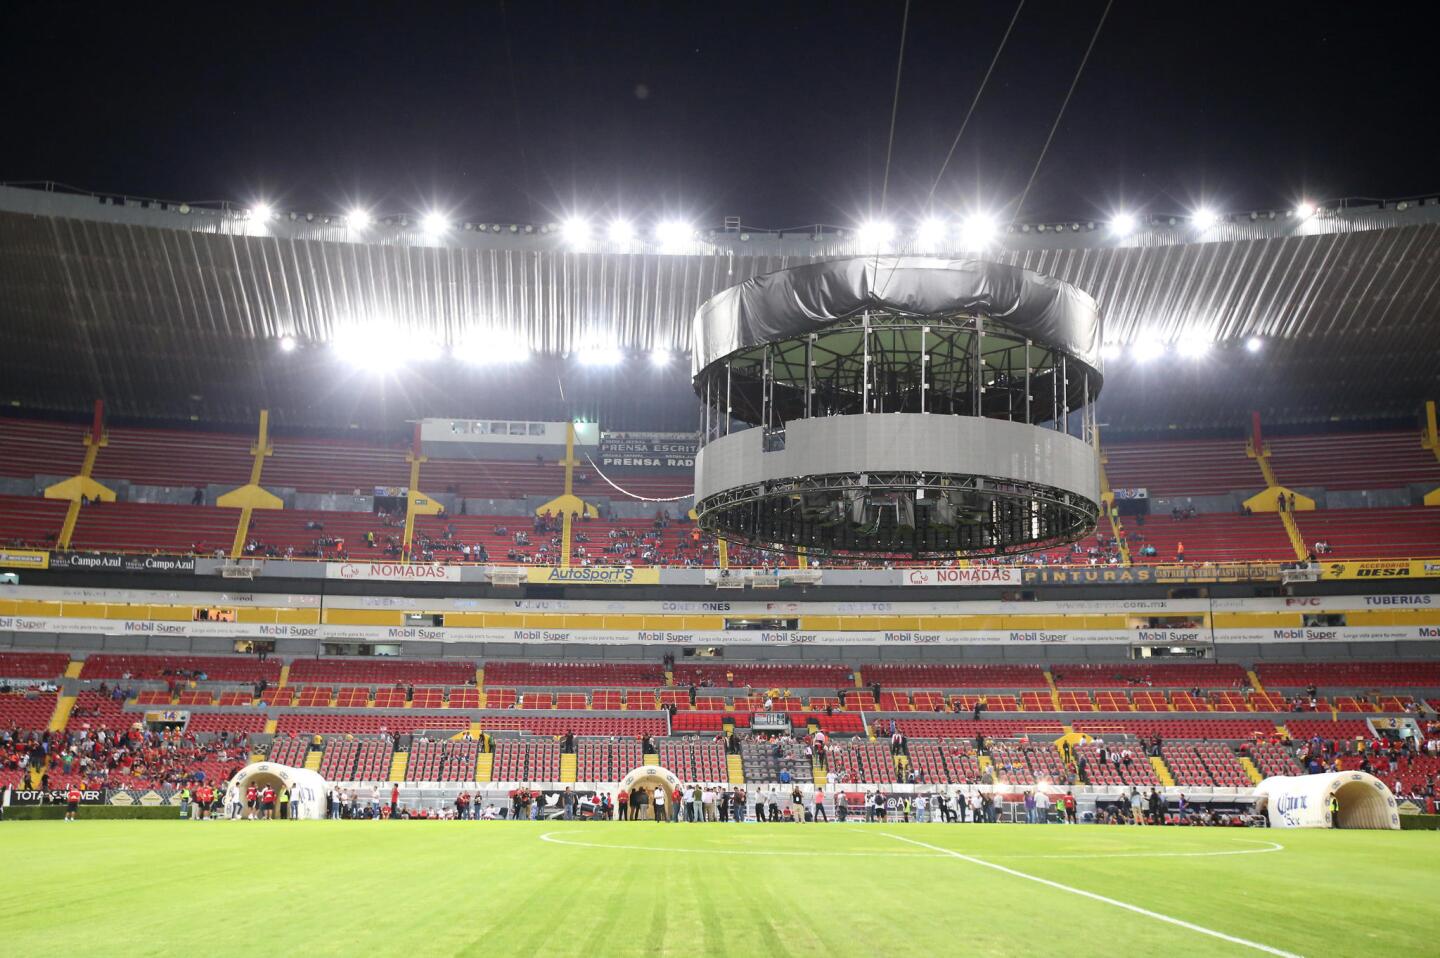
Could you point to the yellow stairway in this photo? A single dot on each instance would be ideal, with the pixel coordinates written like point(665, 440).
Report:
point(483, 764)
point(820, 775)
point(271, 725)
point(313, 759)
point(61, 715)
point(736, 769)
point(1161, 772)
point(1254, 680)
point(398, 763)
point(284, 675)
point(1249, 766)
point(72, 671)
point(651, 758)
point(567, 767)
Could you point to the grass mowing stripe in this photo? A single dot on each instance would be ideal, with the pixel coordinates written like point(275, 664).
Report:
point(1245, 942)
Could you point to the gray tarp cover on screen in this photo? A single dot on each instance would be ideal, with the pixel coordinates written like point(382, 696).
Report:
point(805, 299)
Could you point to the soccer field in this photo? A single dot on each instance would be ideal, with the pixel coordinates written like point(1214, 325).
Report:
point(502, 888)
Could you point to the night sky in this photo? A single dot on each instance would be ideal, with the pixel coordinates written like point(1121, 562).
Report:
point(775, 112)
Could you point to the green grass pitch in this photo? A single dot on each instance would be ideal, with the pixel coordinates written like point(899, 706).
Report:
point(820, 891)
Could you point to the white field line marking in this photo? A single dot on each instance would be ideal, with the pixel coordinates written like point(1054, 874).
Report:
point(1201, 929)
point(1269, 847)
point(551, 837)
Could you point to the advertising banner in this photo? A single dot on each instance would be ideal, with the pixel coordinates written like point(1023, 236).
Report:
point(54, 796)
point(648, 450)
point(591, 575)
point(972, 575)
point(1382, 569)
point(1057, 575)
point(24, 559)
point(393, 571)
point(116, 562)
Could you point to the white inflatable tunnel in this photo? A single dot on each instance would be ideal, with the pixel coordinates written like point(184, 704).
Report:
point(307, 789)
point(1303, 801)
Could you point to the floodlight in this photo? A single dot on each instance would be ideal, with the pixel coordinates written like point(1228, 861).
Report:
point(1304, 210)
point(977, 231)
point(660, 357)
point(1111, 351)
point(261, 212)
point(434, 223)
point(674, 232)
point(357, 219)
point(1254, 344)
point(874, 235)
point(1193, 346)
point(287, 344)
point(931, 233)
point(1122, 224)
point(488, 350)
point(1203, 218)
point(621, 230)
point(575, 231)
point(600, 356)
point(1148, 349)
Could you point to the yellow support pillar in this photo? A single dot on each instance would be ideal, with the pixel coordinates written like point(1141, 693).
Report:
point(1430, 438)
point(723, 550)
point(416, 502)
point(1268, 499)
point(251, 496)
point(80, 488)
point(567, 504)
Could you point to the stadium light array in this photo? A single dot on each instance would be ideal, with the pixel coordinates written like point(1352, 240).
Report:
point(621, 230)
point(490, 350)
point(1304, 210)
point(931, 233)
point(575, 231)
point(1148, 349)
point(357, 219)
point(1204, 217)
point(1111, 351)
point(435, 223)
point(287, 344)
point(1123, 224)
point(670, 233)
point(1254, 344)
point(261, 212)
point(1193, 347)
point(977, 231)
point(660, 357)
point(873, 235)
point(600, 356)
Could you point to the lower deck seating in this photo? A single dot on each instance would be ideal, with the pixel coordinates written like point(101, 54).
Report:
point(285, 750)
point(26, 711)
point(526, 760)
point(766, 761)
point(1271, 759)
point(345, 724)
point(606, 760)
point(694, 761)
point(356, 760)
point(444, 760)
point(860, 762)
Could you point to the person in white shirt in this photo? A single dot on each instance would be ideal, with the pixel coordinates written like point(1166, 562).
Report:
point(1042, 807)
point(660, 815)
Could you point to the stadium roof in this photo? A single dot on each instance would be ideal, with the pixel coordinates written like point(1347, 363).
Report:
point(177, 311)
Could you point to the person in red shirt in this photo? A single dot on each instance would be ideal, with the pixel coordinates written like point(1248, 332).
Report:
point(250, 796)
point(204, 796)
point(267, 799)
point(72, 801)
